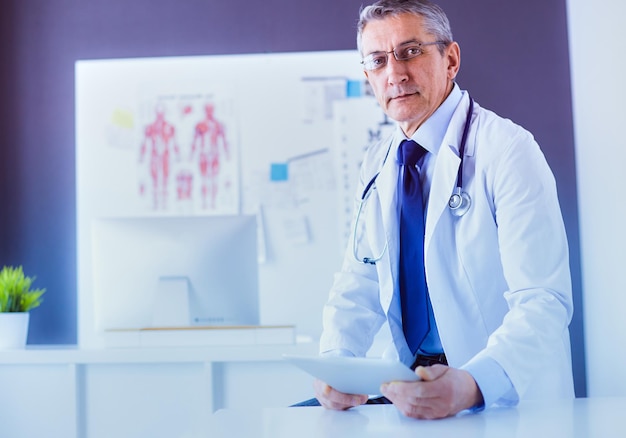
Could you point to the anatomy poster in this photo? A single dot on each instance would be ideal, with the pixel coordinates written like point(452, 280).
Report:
point(187, 155)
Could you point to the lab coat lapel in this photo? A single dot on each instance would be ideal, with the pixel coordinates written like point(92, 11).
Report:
point(446, 170)
point(386, 185)
point(444, 179)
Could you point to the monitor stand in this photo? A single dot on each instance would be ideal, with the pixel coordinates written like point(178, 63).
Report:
point(171, 302)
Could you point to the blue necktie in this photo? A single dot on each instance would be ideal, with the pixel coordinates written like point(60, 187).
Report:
point(413, 289)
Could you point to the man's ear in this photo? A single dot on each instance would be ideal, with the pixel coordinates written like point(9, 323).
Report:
point(453, 55)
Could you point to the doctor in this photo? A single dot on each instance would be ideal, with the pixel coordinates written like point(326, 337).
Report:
point(497, 269)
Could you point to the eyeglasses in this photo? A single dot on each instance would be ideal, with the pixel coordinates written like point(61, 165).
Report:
point(406, 51)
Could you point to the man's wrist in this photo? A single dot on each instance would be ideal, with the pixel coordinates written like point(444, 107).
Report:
point(491, 379)
point(475, 402)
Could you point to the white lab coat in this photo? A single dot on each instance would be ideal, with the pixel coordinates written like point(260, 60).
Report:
point(498, 277)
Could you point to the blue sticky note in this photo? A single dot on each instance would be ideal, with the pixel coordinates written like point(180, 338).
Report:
point(353, 89)
point(279, 172)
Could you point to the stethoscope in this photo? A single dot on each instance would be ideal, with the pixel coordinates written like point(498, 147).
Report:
point(459, 202)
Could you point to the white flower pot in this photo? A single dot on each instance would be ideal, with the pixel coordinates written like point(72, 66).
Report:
point(13, 330)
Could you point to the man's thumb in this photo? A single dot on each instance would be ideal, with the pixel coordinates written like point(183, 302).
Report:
point(432, 372)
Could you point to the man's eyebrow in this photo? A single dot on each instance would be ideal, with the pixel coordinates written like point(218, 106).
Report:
point(411, 41)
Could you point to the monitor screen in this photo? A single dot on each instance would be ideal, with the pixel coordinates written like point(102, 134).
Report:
point(207, 264)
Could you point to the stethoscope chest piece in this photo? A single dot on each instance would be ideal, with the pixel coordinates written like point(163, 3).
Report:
point(459, 202)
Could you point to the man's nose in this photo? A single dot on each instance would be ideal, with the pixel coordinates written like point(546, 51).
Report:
point(397, 71)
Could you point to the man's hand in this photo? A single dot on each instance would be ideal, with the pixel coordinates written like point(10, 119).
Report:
point(443, 392)
point(332, 399)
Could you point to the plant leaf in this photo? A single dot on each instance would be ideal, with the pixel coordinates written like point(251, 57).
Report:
point(15, 293)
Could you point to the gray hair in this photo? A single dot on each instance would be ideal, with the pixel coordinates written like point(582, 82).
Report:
point(434, 18)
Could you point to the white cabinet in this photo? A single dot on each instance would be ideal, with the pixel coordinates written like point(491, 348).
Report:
point(143, 392)
point(37, 399)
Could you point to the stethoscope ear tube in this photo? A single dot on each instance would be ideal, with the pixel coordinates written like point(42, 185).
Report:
point(366, 260)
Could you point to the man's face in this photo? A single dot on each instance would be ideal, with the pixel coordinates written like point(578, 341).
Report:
point(409, 91)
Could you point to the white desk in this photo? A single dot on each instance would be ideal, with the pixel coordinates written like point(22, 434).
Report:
point(584, 418)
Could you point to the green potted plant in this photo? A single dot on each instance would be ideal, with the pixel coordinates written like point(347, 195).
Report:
point(16, 300)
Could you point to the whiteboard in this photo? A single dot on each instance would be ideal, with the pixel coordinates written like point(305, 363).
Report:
point(277, 135)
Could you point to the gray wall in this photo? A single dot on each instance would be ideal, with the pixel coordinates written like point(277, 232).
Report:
point(514, 61)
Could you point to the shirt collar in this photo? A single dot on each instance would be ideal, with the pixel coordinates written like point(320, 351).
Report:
point(431, 133)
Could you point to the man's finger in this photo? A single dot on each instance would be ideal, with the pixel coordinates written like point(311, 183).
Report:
point(333, 399)
point(431, 373)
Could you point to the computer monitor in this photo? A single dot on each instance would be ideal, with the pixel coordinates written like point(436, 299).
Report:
point(136, 260)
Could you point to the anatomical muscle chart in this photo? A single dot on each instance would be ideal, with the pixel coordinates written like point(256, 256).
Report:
point(186, 161)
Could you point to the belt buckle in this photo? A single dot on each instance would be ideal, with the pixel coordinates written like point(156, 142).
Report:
point(432, 359)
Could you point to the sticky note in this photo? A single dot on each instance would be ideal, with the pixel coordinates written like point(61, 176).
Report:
point(122, 118)
point(279, 172)
point(353, 88)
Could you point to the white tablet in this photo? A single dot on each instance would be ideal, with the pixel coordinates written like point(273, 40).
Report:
point(354, 375)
